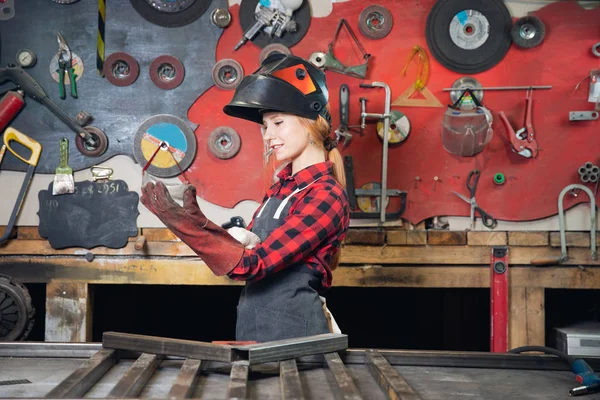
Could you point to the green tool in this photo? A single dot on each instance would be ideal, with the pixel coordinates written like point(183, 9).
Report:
point(63, 178)
point(65, 65)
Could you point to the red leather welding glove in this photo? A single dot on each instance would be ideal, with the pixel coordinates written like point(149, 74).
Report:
point(217, 248)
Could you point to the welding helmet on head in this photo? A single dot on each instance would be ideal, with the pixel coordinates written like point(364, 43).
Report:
point(284, 83)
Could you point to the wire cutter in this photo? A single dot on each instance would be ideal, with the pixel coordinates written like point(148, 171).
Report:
point(522, 141)
point(65, 65)
point(487, 219)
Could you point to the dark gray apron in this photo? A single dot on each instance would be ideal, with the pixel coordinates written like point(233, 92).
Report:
point(284, 304)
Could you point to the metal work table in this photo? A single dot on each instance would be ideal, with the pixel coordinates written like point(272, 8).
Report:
point(432, 375)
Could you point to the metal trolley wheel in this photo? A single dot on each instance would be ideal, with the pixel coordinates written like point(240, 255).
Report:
point(227, 74)
point(224, 142)
point(16, 311)
point(375, 22)
point(100, 139)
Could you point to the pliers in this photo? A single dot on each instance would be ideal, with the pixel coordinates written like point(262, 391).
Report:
point(522, 141)
point(65, 65)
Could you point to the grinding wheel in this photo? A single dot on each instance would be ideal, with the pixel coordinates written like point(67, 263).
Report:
point(16, 311)
point(528, 32)
point(370, 204)
point(289, 39)
point(100, 139)
point(180, 145)
point(227, 74)
point(166, 72)
point(224, 142)
point(121, 69)
point(272, 48)
point(171, 13)
point(469, 36)
point(398, 130)
point(375, 21)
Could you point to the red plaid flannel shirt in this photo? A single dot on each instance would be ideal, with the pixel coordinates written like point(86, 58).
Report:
point(310, 234)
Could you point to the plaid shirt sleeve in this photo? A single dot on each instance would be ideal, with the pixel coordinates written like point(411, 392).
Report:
point(313, 219)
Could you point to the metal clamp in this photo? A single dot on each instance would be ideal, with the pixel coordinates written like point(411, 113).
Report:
point(561, 220)
point(101, 173)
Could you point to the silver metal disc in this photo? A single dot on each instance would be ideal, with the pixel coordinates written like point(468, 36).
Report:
point(170, 6)
point(466, 82)
point(469, 29)
point(318, 59)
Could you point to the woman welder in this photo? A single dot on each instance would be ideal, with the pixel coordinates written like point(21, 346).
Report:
point(303, 217)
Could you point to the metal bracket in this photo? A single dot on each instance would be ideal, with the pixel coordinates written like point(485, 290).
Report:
point(583, 115)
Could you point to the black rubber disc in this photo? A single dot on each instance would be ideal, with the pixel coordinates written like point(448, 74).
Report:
point(224, 142)
point(528, 32)
point(16, 312)
point(177, 13)
point(482, 46)
point(301, 16)
point(375, 21)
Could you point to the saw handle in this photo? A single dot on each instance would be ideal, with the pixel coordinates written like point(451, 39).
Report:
point(11, 134)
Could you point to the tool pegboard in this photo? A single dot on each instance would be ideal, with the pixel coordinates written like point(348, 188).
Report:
point(118, 111)
point(419, 164)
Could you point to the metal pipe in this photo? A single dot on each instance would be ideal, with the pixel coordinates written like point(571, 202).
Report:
point(500, 88)
point(561, 219)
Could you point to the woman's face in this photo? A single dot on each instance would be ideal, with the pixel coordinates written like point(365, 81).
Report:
point(285, 135)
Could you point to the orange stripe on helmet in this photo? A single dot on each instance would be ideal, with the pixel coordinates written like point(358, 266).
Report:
point(301, 81)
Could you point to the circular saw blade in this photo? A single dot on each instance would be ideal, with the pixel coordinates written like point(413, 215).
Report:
point(179, 145)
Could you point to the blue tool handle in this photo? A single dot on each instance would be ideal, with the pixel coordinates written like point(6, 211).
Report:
point(584, 374)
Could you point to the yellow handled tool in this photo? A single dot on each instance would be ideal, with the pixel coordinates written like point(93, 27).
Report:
point(13, 135)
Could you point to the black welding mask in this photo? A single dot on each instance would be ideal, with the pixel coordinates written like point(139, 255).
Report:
point(284, 83)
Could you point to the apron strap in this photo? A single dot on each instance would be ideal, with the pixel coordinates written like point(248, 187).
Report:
point(285, 201)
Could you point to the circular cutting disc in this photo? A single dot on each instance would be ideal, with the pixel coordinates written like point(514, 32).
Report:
point(180, 145)
point(166, 72)
point(224, 142)
point(375, 21)
point(469, 36)
point(227, 74)
point(171, 13)
point(301, 16)
point(370, 203)
point(466, 82)
point(272, 48)
point(77, 67)
point(399, 127)
point(121, 69)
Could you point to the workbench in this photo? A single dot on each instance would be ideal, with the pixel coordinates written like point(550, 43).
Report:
point(431, 375)
point(394, 258)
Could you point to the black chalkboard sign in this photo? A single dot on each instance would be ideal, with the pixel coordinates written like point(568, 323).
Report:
point(97, 214)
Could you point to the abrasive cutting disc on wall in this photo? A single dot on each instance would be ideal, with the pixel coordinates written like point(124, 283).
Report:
point(177, 142)
point(171, 13)
point(469, 36)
